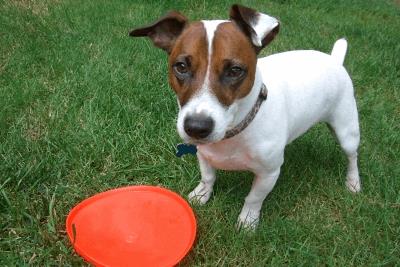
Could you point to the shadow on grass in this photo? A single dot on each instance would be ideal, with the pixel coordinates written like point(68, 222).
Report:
point(312, 161)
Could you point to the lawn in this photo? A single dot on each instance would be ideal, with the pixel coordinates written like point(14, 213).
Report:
point(84, 108)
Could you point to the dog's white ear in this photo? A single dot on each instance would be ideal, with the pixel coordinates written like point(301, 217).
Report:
point(164, 31)
point(260, 27)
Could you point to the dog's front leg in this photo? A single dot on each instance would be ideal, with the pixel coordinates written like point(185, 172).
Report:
point(262, 184)
point(203, 190)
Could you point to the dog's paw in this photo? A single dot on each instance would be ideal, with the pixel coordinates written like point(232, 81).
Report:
point(201, 194)
point(353, 184)
point(248, 219)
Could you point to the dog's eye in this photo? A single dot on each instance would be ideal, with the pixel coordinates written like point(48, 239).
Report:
point(181, 68)
point(235, 72)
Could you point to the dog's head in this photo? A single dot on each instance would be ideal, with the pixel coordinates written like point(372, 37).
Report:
point(212, 66)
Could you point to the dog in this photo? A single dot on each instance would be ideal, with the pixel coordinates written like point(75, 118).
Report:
point(241, 111)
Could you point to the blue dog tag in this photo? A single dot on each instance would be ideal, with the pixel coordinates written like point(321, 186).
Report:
point(183, 149)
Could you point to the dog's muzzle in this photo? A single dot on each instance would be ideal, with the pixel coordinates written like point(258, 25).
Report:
point(198, 126)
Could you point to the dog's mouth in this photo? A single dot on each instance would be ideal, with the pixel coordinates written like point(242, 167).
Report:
point(200, 124)
point(196, 142)
point(201, 141)
point(199, 128)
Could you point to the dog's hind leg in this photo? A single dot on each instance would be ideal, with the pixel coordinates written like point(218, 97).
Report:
point(344, 123)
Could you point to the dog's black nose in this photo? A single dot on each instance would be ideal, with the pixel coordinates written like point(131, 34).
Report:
point(198, 126)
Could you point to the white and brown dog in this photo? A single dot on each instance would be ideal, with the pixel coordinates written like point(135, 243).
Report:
point(242, 111)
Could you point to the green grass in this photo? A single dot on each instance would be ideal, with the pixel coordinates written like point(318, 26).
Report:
point(84, 108)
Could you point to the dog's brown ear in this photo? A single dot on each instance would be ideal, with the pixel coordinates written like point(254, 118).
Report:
point(164, 31)
point(259, 27)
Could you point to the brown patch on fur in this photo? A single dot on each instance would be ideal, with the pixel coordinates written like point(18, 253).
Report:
point(164, 32)
point(231, 44)
point(191, 44)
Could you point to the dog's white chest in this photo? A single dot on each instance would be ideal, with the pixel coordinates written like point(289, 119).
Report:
point(225, 157)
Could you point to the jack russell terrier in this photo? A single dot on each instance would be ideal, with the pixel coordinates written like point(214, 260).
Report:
point(241, 111)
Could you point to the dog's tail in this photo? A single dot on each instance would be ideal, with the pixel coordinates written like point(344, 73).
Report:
point(339, 50)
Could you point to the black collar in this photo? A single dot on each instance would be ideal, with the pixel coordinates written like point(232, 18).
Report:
point(250, 116)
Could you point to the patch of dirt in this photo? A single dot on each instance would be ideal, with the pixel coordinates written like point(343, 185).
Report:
point(34, 128)
point(39, 8)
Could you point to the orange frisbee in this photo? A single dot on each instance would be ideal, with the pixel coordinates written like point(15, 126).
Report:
point(132, 226)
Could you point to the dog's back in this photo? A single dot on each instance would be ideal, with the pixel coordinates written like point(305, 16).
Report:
point(308, 83)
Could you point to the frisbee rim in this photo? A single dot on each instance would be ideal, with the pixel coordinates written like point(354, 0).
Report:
point(134, 188)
